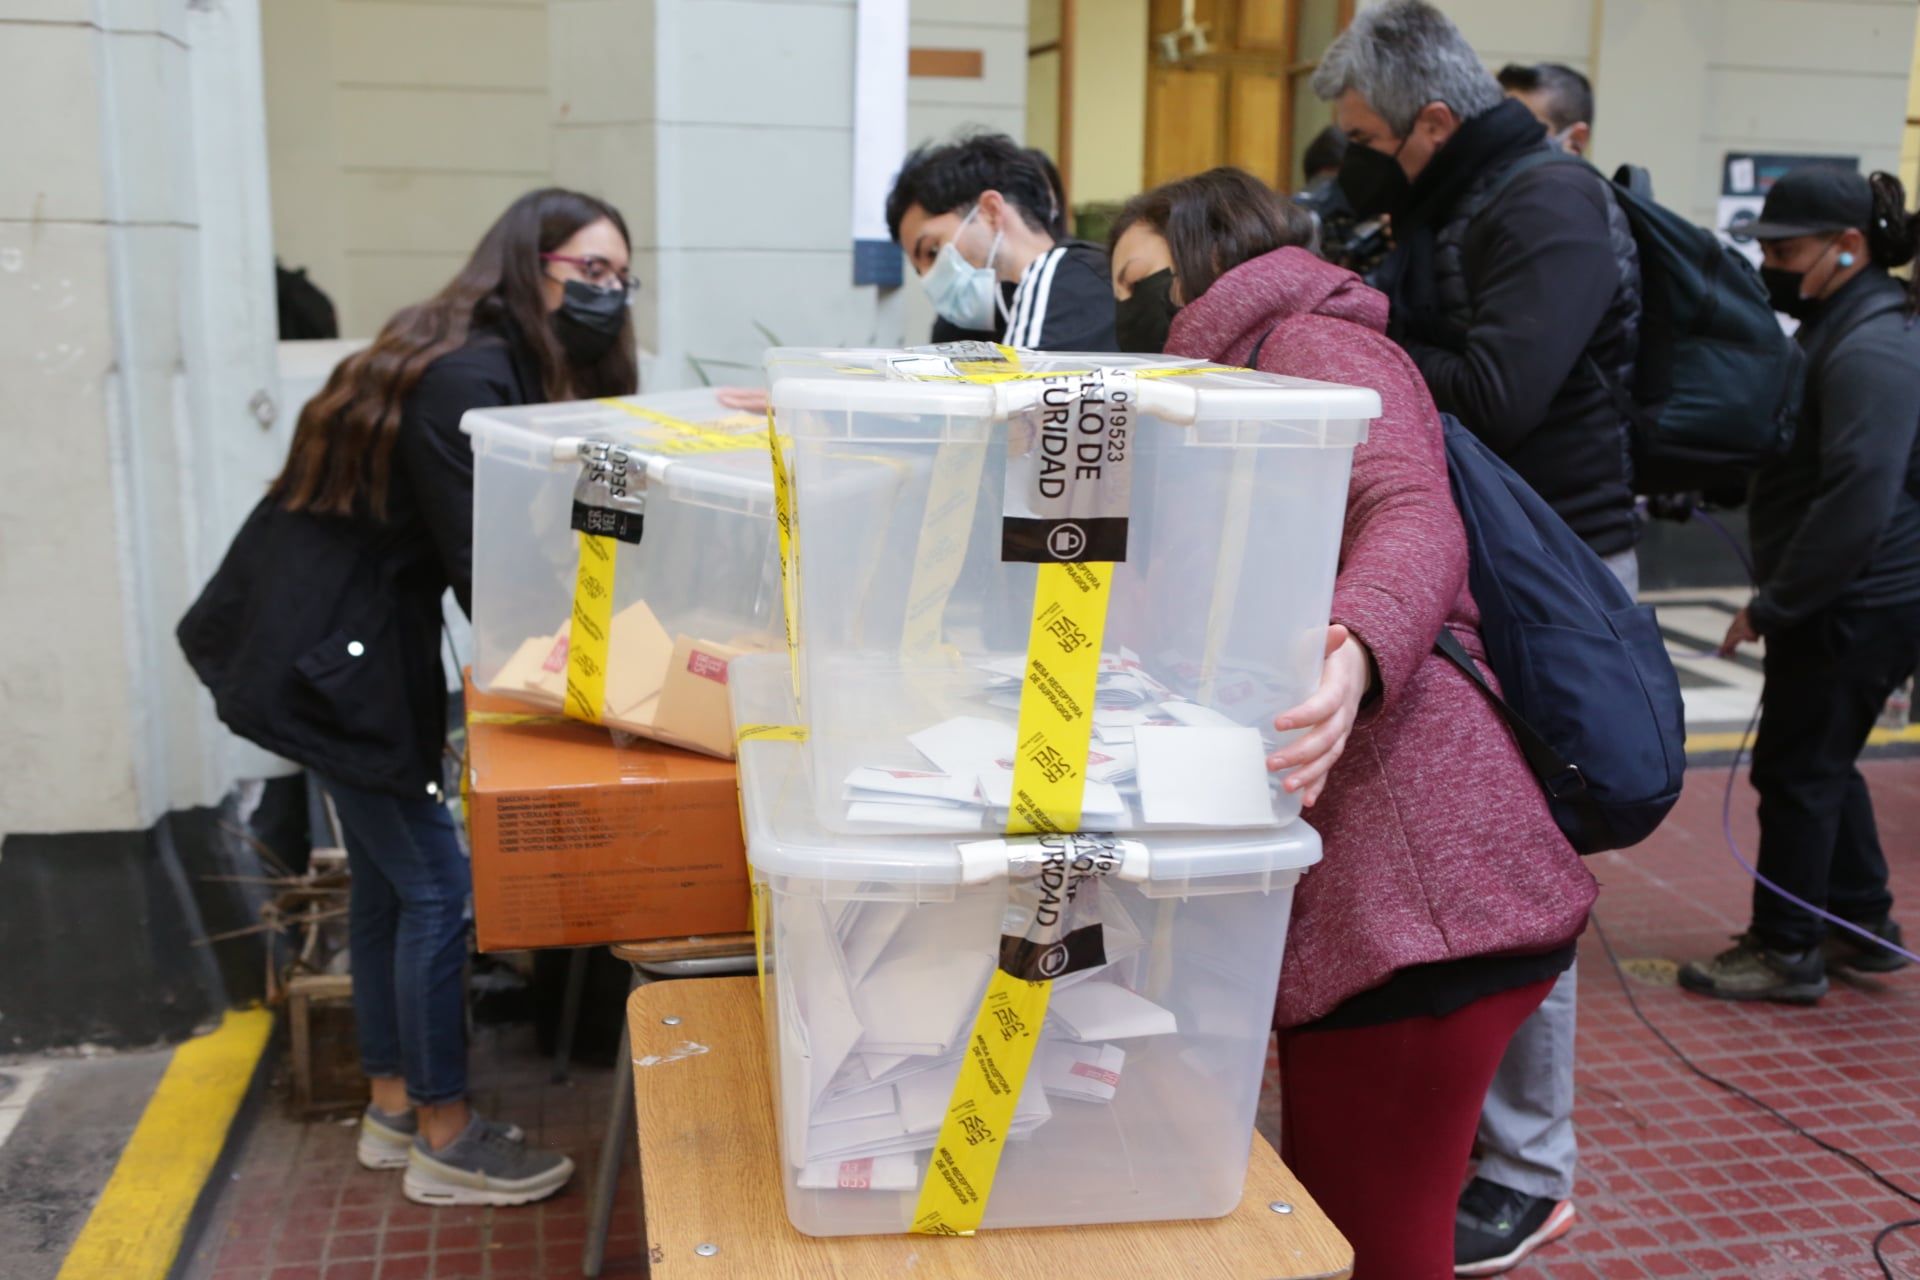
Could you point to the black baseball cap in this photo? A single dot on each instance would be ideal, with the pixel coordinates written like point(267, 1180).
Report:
point(1811, 200)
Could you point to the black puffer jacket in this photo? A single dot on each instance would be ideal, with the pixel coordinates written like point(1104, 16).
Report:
point(1837, 521)
point(319, 636)
point(1516, 293)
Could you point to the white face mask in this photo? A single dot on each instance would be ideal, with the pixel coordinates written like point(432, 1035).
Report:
point(963, 294)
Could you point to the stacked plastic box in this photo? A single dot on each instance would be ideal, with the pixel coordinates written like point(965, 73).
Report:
point(680, 490)
point(1089, 1010)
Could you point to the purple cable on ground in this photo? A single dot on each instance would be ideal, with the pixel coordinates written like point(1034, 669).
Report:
point(1733, 778)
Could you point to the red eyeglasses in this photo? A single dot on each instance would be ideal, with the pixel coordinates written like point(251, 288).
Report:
point(597, 272)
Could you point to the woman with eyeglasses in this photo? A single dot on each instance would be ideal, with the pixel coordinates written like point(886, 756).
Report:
point(319, 637)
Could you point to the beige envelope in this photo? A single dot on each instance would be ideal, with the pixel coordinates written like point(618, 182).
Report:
point(637, 655)
point(692, 710)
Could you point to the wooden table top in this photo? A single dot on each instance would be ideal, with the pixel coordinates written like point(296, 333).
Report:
point(709, 1166)
point(706, 947)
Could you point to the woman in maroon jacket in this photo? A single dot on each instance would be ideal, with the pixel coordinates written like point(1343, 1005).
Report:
point(1448, 901)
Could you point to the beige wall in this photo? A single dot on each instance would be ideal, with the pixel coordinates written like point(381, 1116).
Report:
point(1109, 116)
point(1910, 152)
point(398, 130)
point(1680, 83)
point(134, 287)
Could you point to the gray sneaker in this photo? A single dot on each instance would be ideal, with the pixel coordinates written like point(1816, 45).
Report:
point(1846, 950)
point(1749, 970)
point(483, 1166)
point(385, 1138)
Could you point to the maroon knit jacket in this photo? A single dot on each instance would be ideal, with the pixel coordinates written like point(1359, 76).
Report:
point(1438, 841)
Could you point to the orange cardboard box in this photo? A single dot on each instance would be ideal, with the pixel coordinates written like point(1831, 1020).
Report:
point(579, 842)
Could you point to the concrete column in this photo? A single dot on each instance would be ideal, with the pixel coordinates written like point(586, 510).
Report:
point(723, 129)
point(125, 353)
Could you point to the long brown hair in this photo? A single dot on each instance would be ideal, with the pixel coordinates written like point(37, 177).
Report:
point(341, 460)
point(1213, 222)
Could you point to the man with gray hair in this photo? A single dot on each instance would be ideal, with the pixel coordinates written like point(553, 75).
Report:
point(1515, 287)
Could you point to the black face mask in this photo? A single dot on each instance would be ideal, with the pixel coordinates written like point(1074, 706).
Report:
point(1373, 181)
point(1142, 319)
point(589, 320)
point(1783, 291)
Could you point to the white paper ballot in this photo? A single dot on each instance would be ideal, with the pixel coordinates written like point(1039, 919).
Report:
point(869, 1173)
point(1202, 776)
point(965, 745)
point(865, 929)
point(864, 1105)
point(1192, 713)
point(1090, 1071)
point(924, 1100)
point(813, 969)
point(920, 1003)
point(867, 782)
point(1100, 801)
point(1104, 1011)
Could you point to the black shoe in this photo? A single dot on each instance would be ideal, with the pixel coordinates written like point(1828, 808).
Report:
point(1750, 970)
point(1848, 950)
point(1495, 1227)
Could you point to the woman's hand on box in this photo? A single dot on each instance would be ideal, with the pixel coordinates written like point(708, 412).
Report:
point(1327, 717)
point(741, 399)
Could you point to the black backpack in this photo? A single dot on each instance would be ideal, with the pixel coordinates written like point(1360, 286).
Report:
point(1717, 385)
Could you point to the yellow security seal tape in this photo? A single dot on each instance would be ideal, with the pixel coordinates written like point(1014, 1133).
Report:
point(783, 520)
point(1051, 929)
point(1068, 491)
point(687, 437)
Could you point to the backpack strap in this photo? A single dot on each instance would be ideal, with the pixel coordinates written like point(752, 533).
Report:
point(1560, 780)
point(1253, 357)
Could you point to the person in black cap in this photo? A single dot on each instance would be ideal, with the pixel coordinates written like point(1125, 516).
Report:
point(1836, 547)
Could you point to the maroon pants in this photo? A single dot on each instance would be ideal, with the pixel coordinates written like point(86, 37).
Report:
point(1378, 1123)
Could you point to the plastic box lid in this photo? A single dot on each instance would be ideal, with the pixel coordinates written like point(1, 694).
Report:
point(1186, 392)
point(697, 448)
point(784, 836)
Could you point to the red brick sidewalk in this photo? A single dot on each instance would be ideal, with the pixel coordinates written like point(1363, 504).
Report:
point(1681, 1179)
point(1678, 1178)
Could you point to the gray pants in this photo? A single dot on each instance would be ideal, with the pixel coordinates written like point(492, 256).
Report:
point(1526, 1126)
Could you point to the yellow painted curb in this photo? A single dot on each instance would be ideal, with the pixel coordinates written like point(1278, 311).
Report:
point(135, 1230)
point(1705, 742)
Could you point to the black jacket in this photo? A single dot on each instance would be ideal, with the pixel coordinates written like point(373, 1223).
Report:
point(319, 636)
point(1837, 521)
point(1062, 302)
point(1512, 294)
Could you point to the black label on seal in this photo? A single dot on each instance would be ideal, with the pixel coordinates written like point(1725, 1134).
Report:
point(1083, 948)
point(621, 526)
point(1069, 483)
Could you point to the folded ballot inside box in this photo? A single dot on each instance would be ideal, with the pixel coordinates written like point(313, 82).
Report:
point(625, 551)
point(1203, 505)
point(1138, 1099)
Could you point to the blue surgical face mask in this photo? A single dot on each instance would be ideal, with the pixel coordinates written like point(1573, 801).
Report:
point(963, 294)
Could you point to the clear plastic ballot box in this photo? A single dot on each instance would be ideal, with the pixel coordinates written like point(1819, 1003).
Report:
point(1217, 495)
point(677, 492)
point(1138, 1099)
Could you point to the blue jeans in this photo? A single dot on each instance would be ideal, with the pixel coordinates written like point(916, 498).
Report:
point(408, 925)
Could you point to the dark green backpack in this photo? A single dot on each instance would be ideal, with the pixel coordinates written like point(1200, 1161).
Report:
point(1716, 389)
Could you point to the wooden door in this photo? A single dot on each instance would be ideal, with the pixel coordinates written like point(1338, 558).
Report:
point(1238, 102)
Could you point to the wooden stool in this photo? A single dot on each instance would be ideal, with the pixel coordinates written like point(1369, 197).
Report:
point(714, 1207)
point(713, 955)
point(313, 1090)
